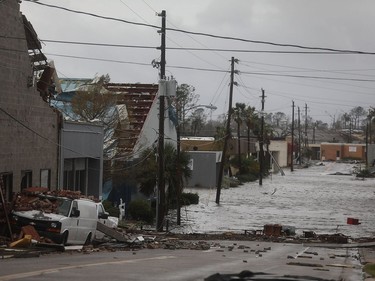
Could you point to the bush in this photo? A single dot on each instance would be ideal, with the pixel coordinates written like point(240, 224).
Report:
point(364, 173)
point(370, 269)
point(247, 177)
point(140, 210)
point(189, 198)
point(112, 210)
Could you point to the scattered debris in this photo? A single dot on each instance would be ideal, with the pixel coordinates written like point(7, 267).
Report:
point(305, 264)
point(352, 221)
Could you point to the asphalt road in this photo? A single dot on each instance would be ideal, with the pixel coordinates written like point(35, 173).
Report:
point(159, 264)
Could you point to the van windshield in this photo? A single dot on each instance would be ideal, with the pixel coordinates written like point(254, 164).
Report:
point(63, 206)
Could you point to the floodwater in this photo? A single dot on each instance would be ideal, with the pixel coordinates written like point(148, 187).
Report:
point(310, 199)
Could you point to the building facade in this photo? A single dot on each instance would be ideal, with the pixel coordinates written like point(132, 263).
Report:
point(342, 151)
point(81, 158)
point(29, 131)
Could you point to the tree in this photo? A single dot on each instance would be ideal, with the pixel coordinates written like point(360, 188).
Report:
point(95, 104)
point(277, 118)
point(357, 112)
point(346, 119)
point(186, 99)
point(145, 171)
point(238, 111)
point(250, 119)
point(197, 120)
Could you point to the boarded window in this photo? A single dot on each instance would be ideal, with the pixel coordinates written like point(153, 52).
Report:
point(45, 178)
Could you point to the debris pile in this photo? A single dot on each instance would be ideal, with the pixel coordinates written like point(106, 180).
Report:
point(42, 199)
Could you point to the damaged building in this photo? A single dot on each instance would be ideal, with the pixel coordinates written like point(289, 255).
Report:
point(29, 132)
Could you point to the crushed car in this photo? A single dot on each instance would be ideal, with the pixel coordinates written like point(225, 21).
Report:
point(63, 217)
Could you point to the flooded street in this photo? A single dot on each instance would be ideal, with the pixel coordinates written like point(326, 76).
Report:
point(309, 199)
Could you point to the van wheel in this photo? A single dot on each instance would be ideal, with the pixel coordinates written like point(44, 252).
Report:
point(88, 239)
point(64, 239)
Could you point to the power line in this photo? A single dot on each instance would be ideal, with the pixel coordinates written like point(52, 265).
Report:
point(309, 77)
point(206, 34)
point(98, 59)
point(196, 49)
point(98, 44)
point(93, 15)
point(271, 43)
point(41, 136)
point(218, 70)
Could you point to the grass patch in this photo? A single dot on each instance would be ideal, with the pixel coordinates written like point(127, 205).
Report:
point(370, 269)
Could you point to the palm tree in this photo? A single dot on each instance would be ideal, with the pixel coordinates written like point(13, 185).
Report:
point(238, 115)
point(175, 180)
point(146, 170)
point(250, 119)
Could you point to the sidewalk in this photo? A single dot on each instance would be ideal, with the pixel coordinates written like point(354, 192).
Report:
point(367, 255)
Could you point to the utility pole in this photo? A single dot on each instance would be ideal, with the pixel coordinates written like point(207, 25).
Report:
point(227, 133)
point(261, 143)
point(292, 146)
point(178, 183)
point(299, 137)
point(306, 142)
point(160, 203)
point(367, 129)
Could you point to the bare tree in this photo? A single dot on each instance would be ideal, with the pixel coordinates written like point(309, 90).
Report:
point(94, 103)
point(186, 100)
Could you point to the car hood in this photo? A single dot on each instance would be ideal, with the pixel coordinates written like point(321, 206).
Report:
point(39, 215)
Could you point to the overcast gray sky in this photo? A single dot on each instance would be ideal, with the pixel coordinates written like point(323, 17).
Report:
point(336, 24)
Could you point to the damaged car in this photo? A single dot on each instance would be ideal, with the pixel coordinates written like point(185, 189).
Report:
point(73, 221)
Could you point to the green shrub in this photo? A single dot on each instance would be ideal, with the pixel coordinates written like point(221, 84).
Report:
point(370, 269)
point(247, 177)
point(140, 210)
point(112, 210)
point(364, 173)
point(189, 198)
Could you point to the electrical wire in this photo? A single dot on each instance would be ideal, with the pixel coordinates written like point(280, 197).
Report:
point(41, 136)
point(308, 76)
point(180, 48)
point(206, 34)
point(217, 70)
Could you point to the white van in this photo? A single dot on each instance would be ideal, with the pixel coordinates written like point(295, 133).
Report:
point(104, 218)
point(73, 223)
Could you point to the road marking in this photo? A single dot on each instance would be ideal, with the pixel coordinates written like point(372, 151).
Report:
point(298, 254)
point(54, 270)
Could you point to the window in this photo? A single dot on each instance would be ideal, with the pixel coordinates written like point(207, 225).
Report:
point(68, 174)
point(26, 179)
point(8, 185)
point(45, 178)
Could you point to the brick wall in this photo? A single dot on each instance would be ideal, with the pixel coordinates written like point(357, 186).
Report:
point(333, 152)
point(35, 147)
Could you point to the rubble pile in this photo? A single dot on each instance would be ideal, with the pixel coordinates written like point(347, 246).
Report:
point(42, 199)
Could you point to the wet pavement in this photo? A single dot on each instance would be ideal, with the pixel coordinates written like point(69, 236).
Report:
point(318, 198)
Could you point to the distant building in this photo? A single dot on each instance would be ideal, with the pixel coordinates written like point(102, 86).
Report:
point(136, 129)
point(342, 151)
point(81, 158)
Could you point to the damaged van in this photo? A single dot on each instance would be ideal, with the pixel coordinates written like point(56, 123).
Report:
point(73, 222)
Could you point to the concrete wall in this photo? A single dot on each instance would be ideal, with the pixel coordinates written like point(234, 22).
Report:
point(204, 167)
point(29, 126)
point(82, 144)
point(279, 150)
point(371, 154)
